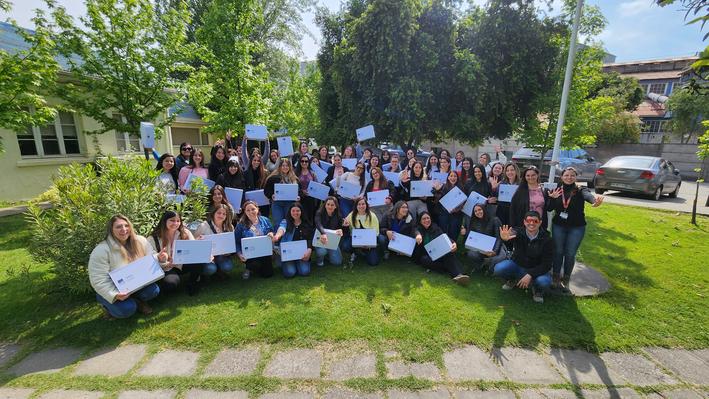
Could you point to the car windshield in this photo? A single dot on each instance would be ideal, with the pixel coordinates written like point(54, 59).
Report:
point(630, 162)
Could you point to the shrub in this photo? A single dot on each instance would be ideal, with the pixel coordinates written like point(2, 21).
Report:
point(86, 196)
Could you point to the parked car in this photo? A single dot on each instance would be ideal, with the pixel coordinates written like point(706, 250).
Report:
point(584, 163)
point(394, 148)
point(652, 176)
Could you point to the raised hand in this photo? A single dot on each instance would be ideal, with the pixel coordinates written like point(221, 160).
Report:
point(598, 201)
point(556, 193)
point(507, 233)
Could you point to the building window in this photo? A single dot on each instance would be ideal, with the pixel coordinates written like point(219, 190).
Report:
point(124, 141)
point(658, 88)
point(644, 86)
point(57, 138)
point(653, 126)
point(189, 135)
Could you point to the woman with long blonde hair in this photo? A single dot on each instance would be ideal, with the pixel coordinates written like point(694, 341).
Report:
point(283, 174)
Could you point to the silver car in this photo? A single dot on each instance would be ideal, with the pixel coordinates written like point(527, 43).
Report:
point(652, 176)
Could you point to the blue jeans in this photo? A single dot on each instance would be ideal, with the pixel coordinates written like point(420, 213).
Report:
point(450, 224)
point(293, 267)
point(346, 206)
point(567, 241)
point(509, 270)
point(334, 256)
point(222, 263)
point(279, 210)
point(127, 308)
point(371, 255)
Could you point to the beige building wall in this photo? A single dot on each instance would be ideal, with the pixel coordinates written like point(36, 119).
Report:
point(509, 146)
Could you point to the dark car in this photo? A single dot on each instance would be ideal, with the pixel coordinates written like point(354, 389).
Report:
point(396, 149)
point(652, 176)
point(584, 164)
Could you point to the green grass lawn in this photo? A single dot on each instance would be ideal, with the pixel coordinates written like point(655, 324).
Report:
point(655, 261)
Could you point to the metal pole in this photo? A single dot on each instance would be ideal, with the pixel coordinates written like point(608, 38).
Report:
point(565, 91)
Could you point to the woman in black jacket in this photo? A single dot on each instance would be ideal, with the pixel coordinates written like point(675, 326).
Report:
point(450, 222)
point(398, 220)
point(232, 177)
point(485, 223)
point(254, 179)
point(379, 182)
point(329, 217)
point(217, 165)
point(447, 263)
point(530, 196)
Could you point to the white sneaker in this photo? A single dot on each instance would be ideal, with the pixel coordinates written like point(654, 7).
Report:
point(508, 285)
point(353, 258)
point(246, 274)
point(462, 279)
point(386, 255)
point(537, 296)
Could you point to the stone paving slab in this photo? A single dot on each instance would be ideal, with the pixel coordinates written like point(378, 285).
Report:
point(7, 352)
point(202, 394)
point(233, 362)
point(424, 371)
point(297, 363)
point(544, 393)
point(702, 354)
point(527, 366)
point(611, 393)
point(15, 393)
point(288, 395)
point(358, 366)
point(71, 394)
point(676, 394)
point(581, 367)
point(46, 361)
point(338, 393)
point(492, 394)
point(586, 281)
point(112, 362)
point(636, 369)
point(440, 393)
point(171, 363)
point(471, 363)
point(161, 394)
point(682, 362)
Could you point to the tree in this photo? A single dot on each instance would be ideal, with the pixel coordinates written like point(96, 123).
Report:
point(688, 110)
point(122, 62)
point(295, 106)
point(621, 127)
point(27, 76)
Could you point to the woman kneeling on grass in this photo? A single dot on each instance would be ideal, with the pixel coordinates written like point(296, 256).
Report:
point(120, 247)
point(219, 220)
point(361, 218)
point(447, 263)
point(295, 228)
point(252, 224)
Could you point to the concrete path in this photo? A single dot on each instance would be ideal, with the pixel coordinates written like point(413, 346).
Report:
point(16, 210)
point(325, 373)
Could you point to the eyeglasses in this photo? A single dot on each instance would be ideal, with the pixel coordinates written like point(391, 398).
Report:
point(304, 161)
point(532, 220)
point(186, 149)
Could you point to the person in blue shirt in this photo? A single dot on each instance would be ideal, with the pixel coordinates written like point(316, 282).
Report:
point(252, 224)
point(295, 227)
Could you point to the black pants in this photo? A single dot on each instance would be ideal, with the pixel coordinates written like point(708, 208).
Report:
point(448, 263)
point(189, 273)
point(262, 266)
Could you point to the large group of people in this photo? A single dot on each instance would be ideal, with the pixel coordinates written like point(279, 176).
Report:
point(524, 254)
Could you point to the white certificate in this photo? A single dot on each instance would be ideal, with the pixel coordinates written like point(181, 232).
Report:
point(454, 164)
point(333, 239)
point(293, 250)
point(222, 243)
point(234, 196)
point(505, 192)
point(480, 242)
point(473, 199)
point(325, 165)
point(439, 176)
point(175, 198)
point(318, 171)
point(258, 197)
point(285, 191)
point(349, 163)
point(317, 190)
point(402, 244)
point(256, 132)
point(393, 177)
point(193, 177)
point(421, 188)
point(377, 198)
point(438, 247)
point(550, 186)
point(137, 274)
point(455, 198)
point(147, 134)
point(256, 247)
point(364, 238)
point(285, 146)
point(349, 190)
point(365, 133)
point(187, 252)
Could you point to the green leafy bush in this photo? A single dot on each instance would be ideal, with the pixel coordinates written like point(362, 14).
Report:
point(85, 197)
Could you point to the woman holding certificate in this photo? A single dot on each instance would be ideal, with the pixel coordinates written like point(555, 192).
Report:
point(305, 175)
point(295, 228)
point(362, 219)
point(484, 222)
point(449, 221)
point(282, 175)
point(415, 173)
point(398, 221)
point(511, 177)
point(168, 230)
point(252, 224)
point(336, 170)
point(328, 217)
point(447, 263)
point(380, 184)
point(217, 197)
point(355, 177)
point(167, 180)
point(232, 177)
point(196, 166)
point(219, 221)
point(120, 247)
point(255, 177)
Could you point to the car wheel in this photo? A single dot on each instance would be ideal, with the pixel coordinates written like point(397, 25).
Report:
point(657, 194)
point(599, 191)
point(674, 193)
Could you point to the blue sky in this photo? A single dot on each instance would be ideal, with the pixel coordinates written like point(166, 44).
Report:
point(636, 30)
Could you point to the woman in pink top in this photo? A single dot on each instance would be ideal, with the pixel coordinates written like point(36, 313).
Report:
point(530, 196)
point(196, 166)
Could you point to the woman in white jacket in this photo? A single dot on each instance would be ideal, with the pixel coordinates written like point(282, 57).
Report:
point(121, 246)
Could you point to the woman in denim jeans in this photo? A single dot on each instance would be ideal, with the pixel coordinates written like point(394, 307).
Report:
point(284, 175)
point(295, 227)
point(219, 220)
point(568, 225)
point(329, 217)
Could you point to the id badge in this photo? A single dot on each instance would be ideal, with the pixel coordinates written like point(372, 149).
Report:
point(564, 215)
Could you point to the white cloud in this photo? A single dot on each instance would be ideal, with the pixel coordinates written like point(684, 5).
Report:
point(634, 7)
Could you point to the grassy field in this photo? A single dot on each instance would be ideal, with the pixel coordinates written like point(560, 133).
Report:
point(655, 261)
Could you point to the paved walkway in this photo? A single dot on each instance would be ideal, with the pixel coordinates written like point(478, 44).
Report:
point(683, 202)
point(16, 210)
point(326, 373)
